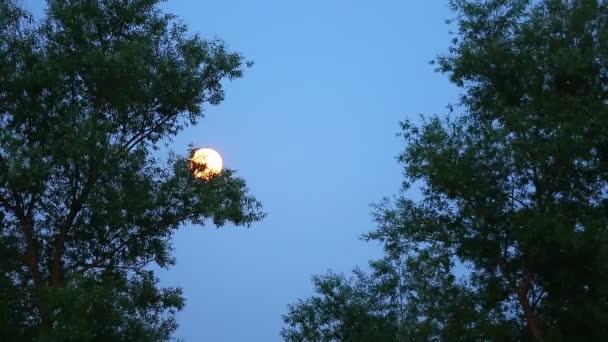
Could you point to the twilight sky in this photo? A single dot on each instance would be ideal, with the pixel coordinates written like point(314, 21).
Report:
point(311, 127)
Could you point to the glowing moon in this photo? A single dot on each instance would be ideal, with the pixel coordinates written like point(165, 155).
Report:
point(205, 163)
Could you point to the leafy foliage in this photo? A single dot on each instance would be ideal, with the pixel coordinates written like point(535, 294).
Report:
point(514, 187)
point(344, 311)
point(87, 93)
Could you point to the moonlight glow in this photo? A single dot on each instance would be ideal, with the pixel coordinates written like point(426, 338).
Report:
point(205, 163)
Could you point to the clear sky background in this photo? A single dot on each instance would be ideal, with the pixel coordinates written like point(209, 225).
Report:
point(312, 128)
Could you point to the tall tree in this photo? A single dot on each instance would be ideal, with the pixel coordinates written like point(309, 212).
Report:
point(87, 94)
point(515, 182)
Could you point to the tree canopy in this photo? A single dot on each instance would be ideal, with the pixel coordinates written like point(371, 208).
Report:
point(87, 94)
point(508, 241)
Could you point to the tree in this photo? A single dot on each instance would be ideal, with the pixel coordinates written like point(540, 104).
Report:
point(514, 180)
point(87, 94)
point(345, 310)
point(411, 294)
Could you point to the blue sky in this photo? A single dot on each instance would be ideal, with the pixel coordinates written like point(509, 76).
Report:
point(312, 128)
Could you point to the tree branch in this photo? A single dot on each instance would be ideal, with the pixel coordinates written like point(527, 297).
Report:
point(135, 267)
point(31, 252)
point(97, 263)
point(139, 137)
point(59, 243)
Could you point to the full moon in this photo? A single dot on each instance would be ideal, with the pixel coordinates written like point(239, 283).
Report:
point(205, 163)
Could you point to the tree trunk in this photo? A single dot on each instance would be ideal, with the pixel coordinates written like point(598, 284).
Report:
point(531, 319)
point(31, 254)
point(31, 259)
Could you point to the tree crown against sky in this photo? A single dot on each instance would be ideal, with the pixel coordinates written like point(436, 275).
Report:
point(87, 94)
point(514, 185)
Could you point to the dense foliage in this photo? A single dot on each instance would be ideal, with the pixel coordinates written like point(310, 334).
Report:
point(509, 240)
point(87, 94)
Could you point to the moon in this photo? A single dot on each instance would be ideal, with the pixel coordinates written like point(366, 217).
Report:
point(205, 163)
